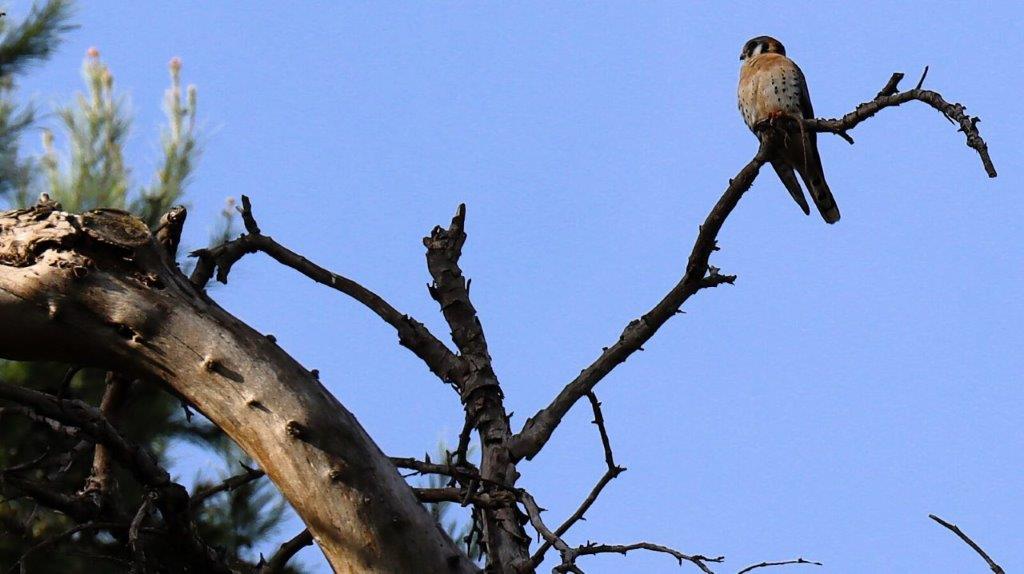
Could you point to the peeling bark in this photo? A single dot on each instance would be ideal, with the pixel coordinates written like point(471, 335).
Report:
point(96, 289)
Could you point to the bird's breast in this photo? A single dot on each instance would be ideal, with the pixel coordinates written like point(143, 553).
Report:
point(769, 84)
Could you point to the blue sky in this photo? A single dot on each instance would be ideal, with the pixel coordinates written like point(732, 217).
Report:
point(856, 378)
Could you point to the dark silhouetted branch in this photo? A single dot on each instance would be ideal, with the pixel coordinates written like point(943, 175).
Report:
point(698, 275)
point(779, 563)
point(172, 498)
point(412, 334)
point(67, 534)
point(890, 96)
point(612, 472)
point(101, 481)
point(481, 392)
point(280, 558)
point(538, 429)
point(464, 496)
point(232, 482)
point(570, 554)
point(997, 569)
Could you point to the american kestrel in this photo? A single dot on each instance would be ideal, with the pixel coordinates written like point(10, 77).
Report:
point(772, 85)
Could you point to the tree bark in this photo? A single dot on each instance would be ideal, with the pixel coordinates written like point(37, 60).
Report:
point(95, 289)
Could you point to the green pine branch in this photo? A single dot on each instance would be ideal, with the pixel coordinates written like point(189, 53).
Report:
point(35, 38)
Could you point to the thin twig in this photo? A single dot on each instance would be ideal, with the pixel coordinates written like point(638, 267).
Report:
point(60, 538)
point(779, 563)
point(570, 555)
point(612, 472)
point(533, 510)
point(134, 543)
point(997, 569)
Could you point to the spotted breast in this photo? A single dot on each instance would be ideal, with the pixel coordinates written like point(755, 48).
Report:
point(770, 84)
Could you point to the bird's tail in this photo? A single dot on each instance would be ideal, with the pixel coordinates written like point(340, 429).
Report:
point(814, 178)
point(788, 178)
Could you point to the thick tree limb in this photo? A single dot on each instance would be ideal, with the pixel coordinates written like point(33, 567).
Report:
point(412, 334)
point(96, 289)
point(506, 541)
point(538, 429)
point(997, 569)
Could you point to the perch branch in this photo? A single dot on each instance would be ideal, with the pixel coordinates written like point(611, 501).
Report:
point(101, 481)
point(538, 429)
point(890, 96)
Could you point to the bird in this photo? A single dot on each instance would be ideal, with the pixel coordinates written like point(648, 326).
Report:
point(772, 86)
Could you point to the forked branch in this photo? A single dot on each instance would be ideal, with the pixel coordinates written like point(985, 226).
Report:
point(412, 334)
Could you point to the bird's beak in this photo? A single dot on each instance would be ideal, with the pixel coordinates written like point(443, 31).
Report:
point(741, 56)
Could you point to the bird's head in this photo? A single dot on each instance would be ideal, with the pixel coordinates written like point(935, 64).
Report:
point(762, 45)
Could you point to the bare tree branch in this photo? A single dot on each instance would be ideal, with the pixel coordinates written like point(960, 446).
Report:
point(101, 481)
point(232, 482)
point(779, 563)
point(134, 543)
point(697, 560)
point(77, 508)
point(612, 472)
point(533, 511)
point(62, 537)
point(538, 429)
point(890, 96)
point(464, 496)
point(482, 397)
point(570, 555)
point(412, 334)
point(172, 498)
point(280, 558)
point(997, 569)
point(464, 470)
